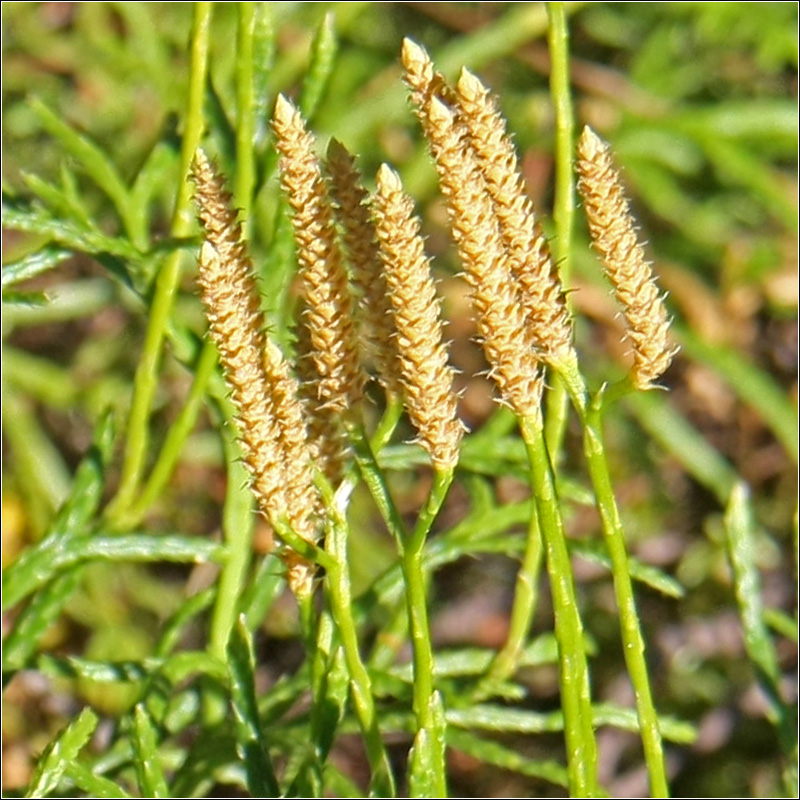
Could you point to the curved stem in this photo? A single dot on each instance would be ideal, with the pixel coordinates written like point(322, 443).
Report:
point(388, 422)
point(526, 595)
point(339, 591)
point(176, 437)
point(166, 286)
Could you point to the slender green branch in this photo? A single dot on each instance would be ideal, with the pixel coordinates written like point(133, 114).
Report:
point(411, 555)
point(442, 478)
point(387, 424)
point(573, 671)
point(373, 477)
point(176, 437)
point(309, 779)
point(237, 525)
point(526, 593)
point(564, 203)
point(166, 285)
point(308, 550)
point(245, 123)
point(417, 601)
point(632, 640)
point(367, 448)
point(337, 584)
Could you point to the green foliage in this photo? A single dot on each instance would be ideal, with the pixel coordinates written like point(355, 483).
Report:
point(118, 437)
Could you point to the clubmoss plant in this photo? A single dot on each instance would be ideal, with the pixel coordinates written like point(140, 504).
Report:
point(427, 379)
point(526, 248)
point(373, 497)
point(329, 314)
point(524, 324)
point(273, 431)
point(614, 236)
point(350, 201)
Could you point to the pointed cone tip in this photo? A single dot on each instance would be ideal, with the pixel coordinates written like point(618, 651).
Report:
point(413, 53)
point(438, 110)
point(201, 165)
point(283, 108)
point(468, 78)
point(336, 149)
point(590, 143)
point(388, 178)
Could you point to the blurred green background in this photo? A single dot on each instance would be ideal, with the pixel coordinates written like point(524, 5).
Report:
point(699, 103)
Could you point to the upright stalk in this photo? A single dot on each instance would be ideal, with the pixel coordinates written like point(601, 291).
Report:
point(237, 525)
point(309, 780)
point(573, 669)
point(564, 204)
point(632, 641)
point(411, 548)
point(245, 123)
point(590, 413)
point(417, 599)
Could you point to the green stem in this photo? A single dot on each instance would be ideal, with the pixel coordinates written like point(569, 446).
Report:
point(557, 405)
point(573, 669)
point(564, 200)
point(166, 286)
point(564, 203)
point(237, 525)
point(373, 477)
point(390, 639)
point(338, 586)
point(176, 437)
point(505, 662)
point(632, 641)
point(388, 422)
point(365, 450)
point(411, 557)
point(309, 782)
point(245, 123)
point(417, 601)
point(614, 535)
